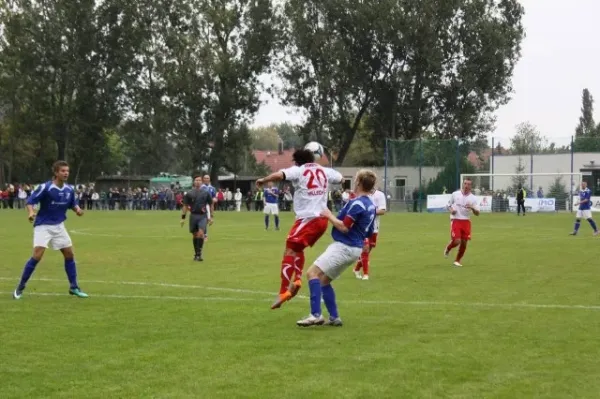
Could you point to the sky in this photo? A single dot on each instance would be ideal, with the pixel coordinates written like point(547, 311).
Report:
point(560, 57)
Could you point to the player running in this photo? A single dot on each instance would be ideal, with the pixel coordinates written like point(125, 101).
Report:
point(271, 207)
point(378, 199)
point(351, 227)
point(198, 201)
point(311, 183)
point(585, 209)
point(460, 204)
point(55, 198)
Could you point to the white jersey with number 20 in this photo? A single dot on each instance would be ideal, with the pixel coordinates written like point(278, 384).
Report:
point(311, 185)
point(459, 201)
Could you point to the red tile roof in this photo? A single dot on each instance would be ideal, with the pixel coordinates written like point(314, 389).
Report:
point(276, 161)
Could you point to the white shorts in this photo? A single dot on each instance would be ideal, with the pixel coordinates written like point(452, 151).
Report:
point(587, 214)
point(271, 209)
point(337, 258)
point(53, 236)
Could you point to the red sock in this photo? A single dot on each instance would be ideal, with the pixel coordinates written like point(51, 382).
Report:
point(364, 259)
point(287, 269)
point(461, 251)
point(299, 265)
point(358, 265)
point(452, 244)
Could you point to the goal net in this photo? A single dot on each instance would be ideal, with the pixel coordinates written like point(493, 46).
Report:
point(545, 192)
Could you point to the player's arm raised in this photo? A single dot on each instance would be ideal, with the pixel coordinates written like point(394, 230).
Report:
point(277, 176)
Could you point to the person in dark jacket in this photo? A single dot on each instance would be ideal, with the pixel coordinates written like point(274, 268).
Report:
point(521, 194)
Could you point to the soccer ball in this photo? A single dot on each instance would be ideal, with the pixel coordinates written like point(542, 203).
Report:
point(315, 148)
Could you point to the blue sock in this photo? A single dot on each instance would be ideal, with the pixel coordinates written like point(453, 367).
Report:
point(71, 270)
point(277, 221)
point(267, 221)
point(593, 224)
point(577, 224)
point(27, 272)
point(314, 286)
point(329, 298)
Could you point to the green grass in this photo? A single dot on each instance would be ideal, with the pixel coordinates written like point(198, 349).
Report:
point(418, 329)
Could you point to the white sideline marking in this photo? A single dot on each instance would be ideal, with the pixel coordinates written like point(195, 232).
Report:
point(181, 298)
point(359, 302)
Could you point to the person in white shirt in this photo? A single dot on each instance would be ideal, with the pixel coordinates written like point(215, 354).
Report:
point(95, 199)
point(238, 200)
point(228, 199)
point(380, 202)
point(461, 204)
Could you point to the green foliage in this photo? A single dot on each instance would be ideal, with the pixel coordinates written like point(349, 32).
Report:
point(519, 179)
point(558, 189)
point(447, 178)
point(586, 126)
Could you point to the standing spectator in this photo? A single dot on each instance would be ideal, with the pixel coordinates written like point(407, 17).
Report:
point(238, 200)
point(249, 201)
point(540, 193)
point(228, 199)
point(220, 199)
point(95, 200)
point(258, 201)
point(21, 196)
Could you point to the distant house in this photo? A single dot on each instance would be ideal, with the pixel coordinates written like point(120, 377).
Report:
point(276, 160)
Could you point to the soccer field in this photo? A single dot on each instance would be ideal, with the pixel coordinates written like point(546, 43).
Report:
point(520, 320)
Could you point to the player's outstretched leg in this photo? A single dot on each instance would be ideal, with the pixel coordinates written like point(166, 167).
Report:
point(298, 269)
point(71, 270)
point(451, 245)
point(38, 253)
point(576, 227)
point(329, 299)
point(461, 252)
point(287, 270)
point(593, 224)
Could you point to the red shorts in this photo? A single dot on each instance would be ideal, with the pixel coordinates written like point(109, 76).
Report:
point(371, 241)
point(305, 233)
point(460, 229)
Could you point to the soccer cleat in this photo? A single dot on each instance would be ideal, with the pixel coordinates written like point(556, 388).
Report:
point(457, 264)
point(78, 293)
point(295, 288)
point(276, 228)
point(334, 322)
point(17, 294)
point(446, 252)
point(358, 274)
point(365, 277)
point(596, 233)
point(311, 321)
point(281, 298)
point(573, 234)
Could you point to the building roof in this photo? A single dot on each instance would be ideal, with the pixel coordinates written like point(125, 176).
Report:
point(276, 161)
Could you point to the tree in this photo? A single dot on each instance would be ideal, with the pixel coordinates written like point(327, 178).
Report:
point(289, 135)
point(240, 38)
point(586, 126)
point(528, 140)
point(452, 70)
point(519, 179)
point(265, 138)
point(558, 189)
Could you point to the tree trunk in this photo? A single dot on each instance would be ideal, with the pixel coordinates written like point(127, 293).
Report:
point(61, 143)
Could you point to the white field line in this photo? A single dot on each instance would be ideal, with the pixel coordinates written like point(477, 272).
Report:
point(359, 302)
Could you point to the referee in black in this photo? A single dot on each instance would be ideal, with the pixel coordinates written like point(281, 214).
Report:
point(520, 200)
point(198, 202)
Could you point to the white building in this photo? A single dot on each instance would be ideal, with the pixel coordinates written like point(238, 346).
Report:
point(586, 163)
point(401, 180)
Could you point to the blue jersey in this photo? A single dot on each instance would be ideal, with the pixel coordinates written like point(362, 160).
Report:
point(361, 211)
point(585, 194)
point(271, 195)
point(211, 190)
point(54, 202)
